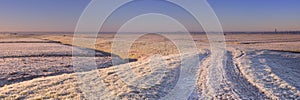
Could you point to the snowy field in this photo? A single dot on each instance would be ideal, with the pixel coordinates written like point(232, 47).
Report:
point(22, 61)
point(264, 67)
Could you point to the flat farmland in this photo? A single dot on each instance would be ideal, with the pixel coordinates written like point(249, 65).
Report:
point(26, 59)
point(257, 66)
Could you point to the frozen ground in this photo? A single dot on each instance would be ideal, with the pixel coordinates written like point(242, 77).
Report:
point(252, 74)
point(274, 73)
point(13, 50)
point(255, 68)
point(13, 70)
point(240, 80)
point(20, 40)
point(21, 61)
point(153, 79)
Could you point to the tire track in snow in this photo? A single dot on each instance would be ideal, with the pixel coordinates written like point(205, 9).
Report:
point(258, 72)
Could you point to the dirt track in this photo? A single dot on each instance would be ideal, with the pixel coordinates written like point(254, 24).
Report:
point(252, 74)
point(247, 74)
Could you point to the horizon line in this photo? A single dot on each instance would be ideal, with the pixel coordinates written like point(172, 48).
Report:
point(146, 32)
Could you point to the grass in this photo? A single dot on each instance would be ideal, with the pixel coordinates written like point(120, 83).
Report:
point(142, 48)
point(64, 86)
point(151, 44)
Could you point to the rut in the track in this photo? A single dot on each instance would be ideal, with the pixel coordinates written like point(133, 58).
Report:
point(257, 68)
point(228, 82)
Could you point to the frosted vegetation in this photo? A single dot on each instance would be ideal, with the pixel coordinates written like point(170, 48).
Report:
point(255, 68)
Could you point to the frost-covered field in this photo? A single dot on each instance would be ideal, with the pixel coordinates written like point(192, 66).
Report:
point(275, 73)
point(33, 49)
point(11, 50)
point(253, 74)
point(13, 70)
point(24, 59)
point(257, 67)
point(111, 83)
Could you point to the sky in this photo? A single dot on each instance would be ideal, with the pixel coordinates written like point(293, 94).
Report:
point(234, 15)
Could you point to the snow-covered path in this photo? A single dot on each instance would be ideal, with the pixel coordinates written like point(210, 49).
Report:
point(247, 74)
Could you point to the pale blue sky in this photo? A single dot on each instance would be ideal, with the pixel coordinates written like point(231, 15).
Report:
point(234, 15)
